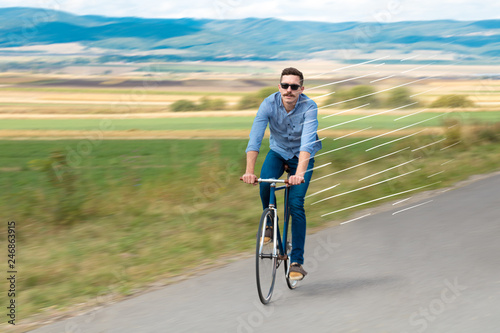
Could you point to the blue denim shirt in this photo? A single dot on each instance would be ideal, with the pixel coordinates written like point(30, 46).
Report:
point(291, 132)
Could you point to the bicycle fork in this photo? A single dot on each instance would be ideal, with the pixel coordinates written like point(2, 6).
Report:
point(279, 249)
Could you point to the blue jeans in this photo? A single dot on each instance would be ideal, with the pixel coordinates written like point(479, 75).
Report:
point(273, 168)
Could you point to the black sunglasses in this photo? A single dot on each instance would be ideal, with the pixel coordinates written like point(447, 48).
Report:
point(293, 86)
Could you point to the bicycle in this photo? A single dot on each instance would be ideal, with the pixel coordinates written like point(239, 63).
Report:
point(270, 255)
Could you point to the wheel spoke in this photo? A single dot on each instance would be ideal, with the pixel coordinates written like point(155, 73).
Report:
point(290, 283)
point(265, 261)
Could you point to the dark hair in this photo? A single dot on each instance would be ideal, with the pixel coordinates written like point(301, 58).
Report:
point(293, 71)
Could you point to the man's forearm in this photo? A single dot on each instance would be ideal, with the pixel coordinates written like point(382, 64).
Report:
point(251, 160)
point(303, 163)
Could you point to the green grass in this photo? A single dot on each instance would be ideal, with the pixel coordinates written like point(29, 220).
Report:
point(144, 211)
point(167, 124)
point(424, 119)
point(431, 119)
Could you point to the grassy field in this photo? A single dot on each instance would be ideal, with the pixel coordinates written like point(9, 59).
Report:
point(357, 121)
point(130, 214)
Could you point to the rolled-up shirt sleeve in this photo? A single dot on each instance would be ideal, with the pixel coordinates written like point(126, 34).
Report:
point(259, 127)
point(309, 138)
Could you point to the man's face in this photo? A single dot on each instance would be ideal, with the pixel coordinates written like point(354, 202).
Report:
point(289, 95)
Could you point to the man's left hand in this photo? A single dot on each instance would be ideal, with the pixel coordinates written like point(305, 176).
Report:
point(295, 180)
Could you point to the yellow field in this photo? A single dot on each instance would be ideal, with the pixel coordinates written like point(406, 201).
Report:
point(28, 95)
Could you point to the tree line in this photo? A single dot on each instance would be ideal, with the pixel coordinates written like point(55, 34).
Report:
point(344, 98)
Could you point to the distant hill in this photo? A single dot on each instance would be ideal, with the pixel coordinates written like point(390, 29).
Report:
point(252, 39)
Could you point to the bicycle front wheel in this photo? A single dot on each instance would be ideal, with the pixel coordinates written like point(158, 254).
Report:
point(265, 259)
point(288, 249)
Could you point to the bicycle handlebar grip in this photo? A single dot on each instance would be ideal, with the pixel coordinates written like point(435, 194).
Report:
point(241, 178)
point(302, 182)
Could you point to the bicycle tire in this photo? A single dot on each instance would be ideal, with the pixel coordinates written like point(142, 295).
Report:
point(288, 250)
point(265, 260)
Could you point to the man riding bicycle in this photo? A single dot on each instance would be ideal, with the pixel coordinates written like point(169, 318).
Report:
point(293, 123)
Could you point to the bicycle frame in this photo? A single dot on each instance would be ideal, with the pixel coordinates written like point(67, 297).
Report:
point(279, 250)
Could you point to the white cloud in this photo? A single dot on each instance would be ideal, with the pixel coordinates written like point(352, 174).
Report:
point(314, 10)
point(453, 9)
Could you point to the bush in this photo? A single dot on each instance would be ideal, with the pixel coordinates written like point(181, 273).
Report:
point(353, 97)
point(452, 101)
point(359, 91)
point(400, 97)
point(249, 102)
point(65, 187)
point(207, 103)
point(453, 131)
point(265, 92)
point(489, 132)
point(253, 101)
point(339, 96)
point(183, 105)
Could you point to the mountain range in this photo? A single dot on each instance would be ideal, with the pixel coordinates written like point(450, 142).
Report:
point(252, 38)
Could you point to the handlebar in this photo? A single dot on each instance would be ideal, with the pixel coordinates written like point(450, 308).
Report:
point(271, 180)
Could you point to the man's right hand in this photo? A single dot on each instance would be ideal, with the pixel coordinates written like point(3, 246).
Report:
point(250, 178)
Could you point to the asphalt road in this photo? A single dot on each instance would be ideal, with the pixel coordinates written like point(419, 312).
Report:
point(426, 266)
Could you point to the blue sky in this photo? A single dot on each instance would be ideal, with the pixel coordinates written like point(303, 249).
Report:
point(311, 10)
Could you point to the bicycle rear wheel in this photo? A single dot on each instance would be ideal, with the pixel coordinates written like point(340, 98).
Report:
point(265, 260)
